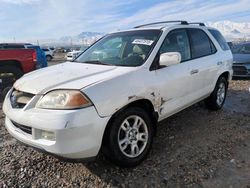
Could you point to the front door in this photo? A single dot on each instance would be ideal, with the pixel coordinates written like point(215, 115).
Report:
point(174, 83)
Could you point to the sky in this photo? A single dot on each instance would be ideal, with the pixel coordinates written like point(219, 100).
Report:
point(44, 19)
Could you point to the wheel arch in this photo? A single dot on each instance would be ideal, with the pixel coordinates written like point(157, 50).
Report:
point(141, 103)
point(225, 74)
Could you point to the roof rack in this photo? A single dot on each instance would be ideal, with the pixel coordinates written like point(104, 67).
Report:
point(155, 23)
point(198, 23)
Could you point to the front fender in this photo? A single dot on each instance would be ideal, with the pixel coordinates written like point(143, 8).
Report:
point(111, 95)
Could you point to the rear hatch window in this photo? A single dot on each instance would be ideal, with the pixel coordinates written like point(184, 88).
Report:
point(220, 39)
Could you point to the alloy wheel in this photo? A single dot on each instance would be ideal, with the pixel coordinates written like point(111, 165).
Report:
point(133, 136)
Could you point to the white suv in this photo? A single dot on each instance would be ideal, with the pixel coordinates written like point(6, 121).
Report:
point(48, 53)
point(112, 96)
point(72, 55)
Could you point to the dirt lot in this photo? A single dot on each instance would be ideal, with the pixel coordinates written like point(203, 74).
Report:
point(194, 148)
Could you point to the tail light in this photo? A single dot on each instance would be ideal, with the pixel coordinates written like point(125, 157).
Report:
point(34, 57)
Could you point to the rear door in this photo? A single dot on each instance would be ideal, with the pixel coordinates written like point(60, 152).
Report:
point(223, 56)
point(203, 63)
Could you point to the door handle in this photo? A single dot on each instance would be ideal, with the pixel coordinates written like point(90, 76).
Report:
point(194, 71)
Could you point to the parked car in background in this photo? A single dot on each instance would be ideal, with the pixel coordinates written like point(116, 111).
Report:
point(241, 56)
point(41, 57)
point(48, 53)
point(13, 64)
point(52, 49)
point(72, 55)
point(67, 50)
point(112, 102)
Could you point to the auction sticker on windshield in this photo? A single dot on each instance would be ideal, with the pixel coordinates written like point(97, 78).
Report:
point(143, 41)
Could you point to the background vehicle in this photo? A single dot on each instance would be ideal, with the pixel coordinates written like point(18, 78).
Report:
point(111, 97)
point(67, 50)
point(13, 64)
point(72, 55)
point(48, 53)
point(41, 57)
point(241, 56)
point(52, 49)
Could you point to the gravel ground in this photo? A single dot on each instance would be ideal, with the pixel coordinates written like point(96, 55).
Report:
point(194, 148)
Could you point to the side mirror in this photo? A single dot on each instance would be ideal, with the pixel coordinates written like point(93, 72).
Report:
point(170, 58)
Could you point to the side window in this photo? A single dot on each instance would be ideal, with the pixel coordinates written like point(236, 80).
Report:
point(220, 39)
point(201, 45)
point(12, 46)
point(177, 41)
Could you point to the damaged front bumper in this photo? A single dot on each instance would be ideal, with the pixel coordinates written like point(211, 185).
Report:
point(73, 134)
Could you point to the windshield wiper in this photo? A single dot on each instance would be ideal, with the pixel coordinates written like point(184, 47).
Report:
point(97, 62)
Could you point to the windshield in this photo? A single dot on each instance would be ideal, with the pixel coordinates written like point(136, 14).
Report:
point(241, 49)
point(129, 48)
point(83, 48)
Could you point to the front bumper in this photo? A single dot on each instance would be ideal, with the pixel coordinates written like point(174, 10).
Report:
point(241, 70)
point(78, 133)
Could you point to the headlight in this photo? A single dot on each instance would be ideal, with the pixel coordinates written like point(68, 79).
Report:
point(64, 99)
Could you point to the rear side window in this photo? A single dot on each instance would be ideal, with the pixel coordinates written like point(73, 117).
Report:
point(220, 39)
point(201, 45)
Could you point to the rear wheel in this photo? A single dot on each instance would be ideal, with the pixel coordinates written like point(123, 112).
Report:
point(8, 75)
point(216, 100)
point(130, 137)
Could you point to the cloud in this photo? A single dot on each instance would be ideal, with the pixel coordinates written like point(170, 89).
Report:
point(19, 1)
point(190, 10)
point(55, 18)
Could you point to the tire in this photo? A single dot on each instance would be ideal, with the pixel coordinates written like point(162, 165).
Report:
point(140, 139)
point(8, 80)
point(48, 57)
point(217, 98)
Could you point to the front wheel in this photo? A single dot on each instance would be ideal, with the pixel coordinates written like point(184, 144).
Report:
point(216, 100)
point(8, 75)
point(130, 137)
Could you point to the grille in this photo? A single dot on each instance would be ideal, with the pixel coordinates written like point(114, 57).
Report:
point(240, 70)
point(19, 99)
point(22, 127)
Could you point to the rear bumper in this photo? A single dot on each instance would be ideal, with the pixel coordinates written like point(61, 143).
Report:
point(78, 133)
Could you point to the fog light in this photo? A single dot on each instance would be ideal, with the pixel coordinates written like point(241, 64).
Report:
point(48, 135)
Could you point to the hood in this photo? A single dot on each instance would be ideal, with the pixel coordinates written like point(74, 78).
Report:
point(68, 75)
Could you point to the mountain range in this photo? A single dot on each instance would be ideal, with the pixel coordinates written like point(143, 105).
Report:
point(231, 31)
point(82, 38)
